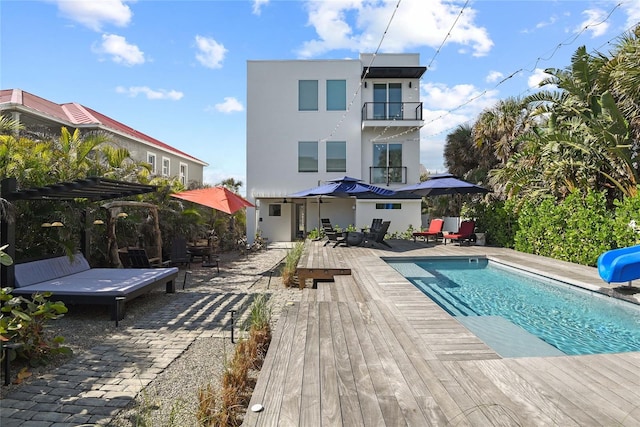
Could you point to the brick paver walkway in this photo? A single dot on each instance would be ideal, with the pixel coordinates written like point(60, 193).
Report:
point(94, 386)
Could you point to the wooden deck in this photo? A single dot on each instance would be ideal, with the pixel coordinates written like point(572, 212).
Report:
point(371, 349)
point(319, 264)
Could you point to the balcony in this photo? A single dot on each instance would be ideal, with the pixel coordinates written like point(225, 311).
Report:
point(396, 114)
point(388, 175)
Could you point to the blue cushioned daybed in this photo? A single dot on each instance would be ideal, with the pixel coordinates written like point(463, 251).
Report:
point(73, 281)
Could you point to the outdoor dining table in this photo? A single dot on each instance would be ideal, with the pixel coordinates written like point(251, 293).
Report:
point(200, 251)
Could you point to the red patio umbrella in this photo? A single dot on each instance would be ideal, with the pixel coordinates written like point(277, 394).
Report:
point(219, 198)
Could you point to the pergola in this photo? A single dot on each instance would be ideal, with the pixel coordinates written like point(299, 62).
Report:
point(93, 189)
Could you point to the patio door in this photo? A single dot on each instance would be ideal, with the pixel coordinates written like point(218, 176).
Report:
point(300, 221)
point(387, 98)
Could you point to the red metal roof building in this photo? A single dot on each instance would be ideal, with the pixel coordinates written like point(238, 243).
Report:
point(37, 113)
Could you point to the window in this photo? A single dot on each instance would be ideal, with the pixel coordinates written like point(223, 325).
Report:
point(308, 95)
point(166, 166)
point(151, 159)
point(388, 205)
point(387, 99)
point(387, 163)
point(275, 210)
point(183, 174)
point(307, 156)
point(336, 95)
point(336, 156)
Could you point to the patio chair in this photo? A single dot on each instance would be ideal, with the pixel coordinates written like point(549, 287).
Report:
point(435, 230)
point(377, 237)
point(138, 259)
point(330, 232)
point(326, 224)
point(180, 254)
point(464, 234)
point(375, 226)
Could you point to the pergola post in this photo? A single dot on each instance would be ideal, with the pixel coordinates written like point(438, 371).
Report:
point(8, 234)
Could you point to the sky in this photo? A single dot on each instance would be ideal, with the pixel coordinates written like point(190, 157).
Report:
point(176, 70)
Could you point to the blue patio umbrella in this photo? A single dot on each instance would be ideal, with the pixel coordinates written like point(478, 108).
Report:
point(443, 184)
point(342, 187)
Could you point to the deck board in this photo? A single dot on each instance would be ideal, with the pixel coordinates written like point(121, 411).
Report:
point(347, 390)
point(370, 349)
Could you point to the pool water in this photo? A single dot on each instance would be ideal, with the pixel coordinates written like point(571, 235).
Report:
point(573, 320)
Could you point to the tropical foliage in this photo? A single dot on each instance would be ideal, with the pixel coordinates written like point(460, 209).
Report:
point(39, 158)
point(566, 158)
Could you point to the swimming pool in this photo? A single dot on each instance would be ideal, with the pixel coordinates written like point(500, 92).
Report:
point(572, 320)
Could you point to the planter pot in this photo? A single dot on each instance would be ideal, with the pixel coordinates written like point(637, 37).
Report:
point(354, 238)
point(480, 239)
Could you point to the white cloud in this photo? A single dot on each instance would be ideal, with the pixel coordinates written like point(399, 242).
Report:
point(594, 22)
point(230, 105)
point(445, 108)
point(543, 24)
point(257, 6)
point(134, 91)
point(632, 9)
point(211, 53)
point(494, 76)
point(95, 14)
point(358, 26)
point(442, 97)
point(120, 51)
point(536, 77)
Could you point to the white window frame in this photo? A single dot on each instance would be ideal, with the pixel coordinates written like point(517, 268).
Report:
point(184, 173)
point(152, 160)
point(166, 166)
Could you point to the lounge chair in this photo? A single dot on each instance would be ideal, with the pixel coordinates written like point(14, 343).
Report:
point(435, 230)
point(333, 236)
point(376, 223)
point(464, 234)
point(377, 236)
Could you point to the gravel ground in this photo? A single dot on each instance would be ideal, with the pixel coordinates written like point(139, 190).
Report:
point(171, 399)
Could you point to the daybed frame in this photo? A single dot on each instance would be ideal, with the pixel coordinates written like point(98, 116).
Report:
point(73, 281)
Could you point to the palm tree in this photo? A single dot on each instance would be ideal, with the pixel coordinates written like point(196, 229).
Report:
point(500, 126)
point(467, 160)
point(586, 139)
point(231, 184)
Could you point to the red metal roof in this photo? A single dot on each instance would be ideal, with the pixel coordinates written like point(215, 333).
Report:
point(78, 114)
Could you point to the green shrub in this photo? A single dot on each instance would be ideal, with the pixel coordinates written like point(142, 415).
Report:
point(626, 225)
point(314, 234)
point(577, 230)
point(497, 218)
point(24, 321)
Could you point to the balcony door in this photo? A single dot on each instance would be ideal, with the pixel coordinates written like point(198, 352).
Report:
point(387, 98)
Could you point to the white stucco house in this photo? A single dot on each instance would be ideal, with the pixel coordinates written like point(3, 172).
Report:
point(309, 121)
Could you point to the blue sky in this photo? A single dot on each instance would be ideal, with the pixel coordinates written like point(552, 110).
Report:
point(176, 70)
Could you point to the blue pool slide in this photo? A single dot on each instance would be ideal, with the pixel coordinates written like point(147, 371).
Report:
point(620, 265)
